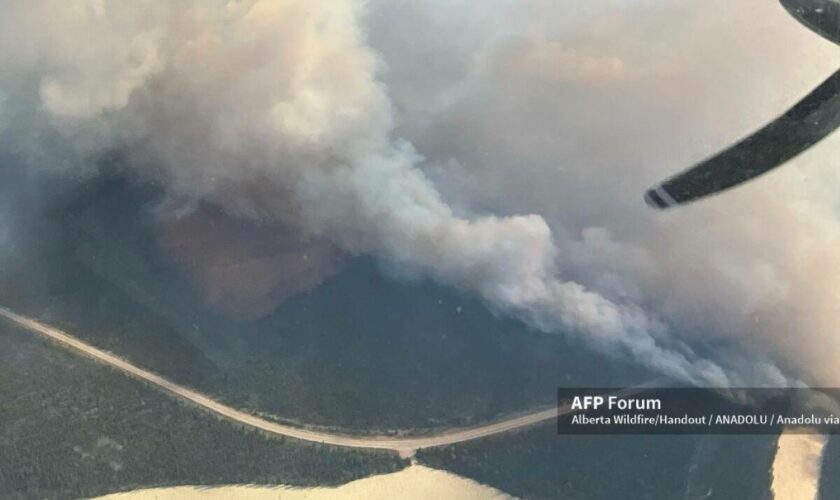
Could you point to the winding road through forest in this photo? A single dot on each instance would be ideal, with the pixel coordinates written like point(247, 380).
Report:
point(406, 446)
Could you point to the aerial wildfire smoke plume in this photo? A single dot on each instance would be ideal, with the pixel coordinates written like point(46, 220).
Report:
point(397, 130)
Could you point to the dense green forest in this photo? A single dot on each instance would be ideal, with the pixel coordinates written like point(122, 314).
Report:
point(71, 428)
point(361, 353)
point(538, 464)
point(830, 476)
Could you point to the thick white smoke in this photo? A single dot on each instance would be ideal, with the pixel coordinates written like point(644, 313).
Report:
point(573, 123)
point(277, 109)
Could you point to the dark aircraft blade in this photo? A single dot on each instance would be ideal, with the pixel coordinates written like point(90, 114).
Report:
point(820, 16)
point(805, 124)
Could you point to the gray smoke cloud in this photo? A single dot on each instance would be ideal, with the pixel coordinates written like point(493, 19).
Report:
point(398, 130)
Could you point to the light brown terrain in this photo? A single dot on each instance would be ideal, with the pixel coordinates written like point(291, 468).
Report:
point(244, 267)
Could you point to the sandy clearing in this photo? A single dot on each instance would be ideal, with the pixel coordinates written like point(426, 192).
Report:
point(412, 483)
point(797, 466)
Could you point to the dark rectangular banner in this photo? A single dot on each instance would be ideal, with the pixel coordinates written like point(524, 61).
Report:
point(648, 410)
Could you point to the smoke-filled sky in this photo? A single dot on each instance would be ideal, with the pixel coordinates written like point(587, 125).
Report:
point(501, 147)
